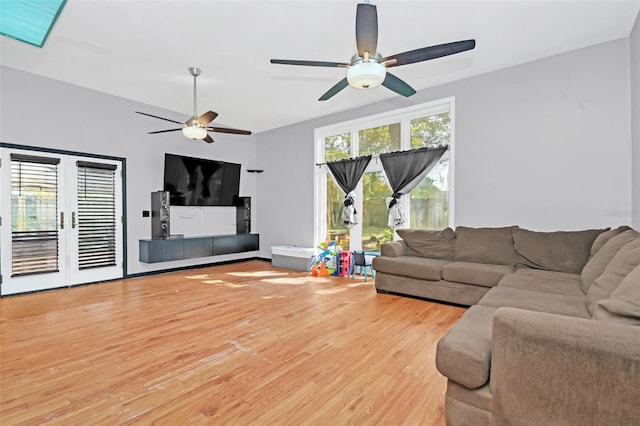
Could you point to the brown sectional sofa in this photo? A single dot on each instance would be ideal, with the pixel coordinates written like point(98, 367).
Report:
point(553, 333)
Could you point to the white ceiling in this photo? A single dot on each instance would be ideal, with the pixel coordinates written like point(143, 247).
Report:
point(141, 50)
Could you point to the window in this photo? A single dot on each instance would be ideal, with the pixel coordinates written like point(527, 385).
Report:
point(336, 147)
point(428, 206)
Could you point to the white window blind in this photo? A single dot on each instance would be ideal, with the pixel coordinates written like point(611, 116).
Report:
point(96, 215)
point(34, 214)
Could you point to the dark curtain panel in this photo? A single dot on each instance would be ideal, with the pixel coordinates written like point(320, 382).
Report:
point(404, 171)
point(347, 174)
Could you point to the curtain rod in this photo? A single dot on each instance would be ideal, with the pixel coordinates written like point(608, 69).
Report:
point(373, 157)
point(377, 156)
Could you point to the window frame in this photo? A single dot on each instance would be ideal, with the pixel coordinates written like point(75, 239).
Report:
point(353, 127)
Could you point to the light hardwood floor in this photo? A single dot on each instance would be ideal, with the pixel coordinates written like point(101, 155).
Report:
point(243, 343)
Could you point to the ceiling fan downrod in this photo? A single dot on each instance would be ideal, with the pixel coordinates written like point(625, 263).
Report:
point(195, 72)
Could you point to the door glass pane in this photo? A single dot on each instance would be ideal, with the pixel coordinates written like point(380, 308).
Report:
point(96, 216)
point(375, 230)
point(379, 139)
point(336, 148)
point(34, 214)
point(429, 205)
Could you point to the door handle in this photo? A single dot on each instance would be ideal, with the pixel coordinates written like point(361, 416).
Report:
point(61, 220)
point(73, 219)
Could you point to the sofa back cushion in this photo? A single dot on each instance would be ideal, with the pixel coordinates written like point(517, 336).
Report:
point(625, 261)
point(599, 261)
point(562, 251)
point(623, 306)
point(485, 245)
point(431, 244)
point(602, 239)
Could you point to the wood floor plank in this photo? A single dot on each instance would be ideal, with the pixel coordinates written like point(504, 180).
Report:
point(242, 343)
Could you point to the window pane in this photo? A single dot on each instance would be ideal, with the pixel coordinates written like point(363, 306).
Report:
point(431, 130)
point(34, 214)
point(336, 148)
point(374, 211)
point(379, 139)
point(429, 205)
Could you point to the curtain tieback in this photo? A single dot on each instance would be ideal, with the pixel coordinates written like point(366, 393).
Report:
point(393, 202)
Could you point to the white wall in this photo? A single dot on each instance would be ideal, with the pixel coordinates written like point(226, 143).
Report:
point(37, 111)
point(635, 122)
point(545, 145)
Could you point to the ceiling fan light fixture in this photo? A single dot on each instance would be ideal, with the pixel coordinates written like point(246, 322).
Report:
point(366, 75)
point(194, 132)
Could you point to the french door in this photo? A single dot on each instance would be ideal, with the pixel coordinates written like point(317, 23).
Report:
point(61, 220)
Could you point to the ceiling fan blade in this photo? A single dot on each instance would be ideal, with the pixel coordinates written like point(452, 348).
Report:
point(394, 83)
point(431, 52)
point(164, 131)
point(310, 63)
point(208, 139)
point(160, 118)
point(228, 130)
point(335, 89)
point(366, 29)
point(207, 118)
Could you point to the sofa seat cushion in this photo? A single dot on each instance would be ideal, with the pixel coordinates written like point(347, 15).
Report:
point(480, 397)
point(499, 297)
point(544, 281)
point(485, 245)
point(463, 355)
point(410, 266)
point(482, 274)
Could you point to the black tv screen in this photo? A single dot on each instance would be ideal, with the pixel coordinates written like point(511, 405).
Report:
point(199, 182)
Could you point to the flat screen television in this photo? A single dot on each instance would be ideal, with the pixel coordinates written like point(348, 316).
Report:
point(199, 182)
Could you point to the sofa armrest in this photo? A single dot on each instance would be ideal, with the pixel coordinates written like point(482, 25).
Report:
point(553, 369)
point(394, 249)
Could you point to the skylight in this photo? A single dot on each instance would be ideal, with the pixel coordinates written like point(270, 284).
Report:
point(29, 21)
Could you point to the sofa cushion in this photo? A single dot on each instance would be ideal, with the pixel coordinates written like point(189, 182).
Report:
point(623, 306)
point(602, 239)
point(479, 398)
point(544, 281)
point(431, 244)
point(599, 261)
point(410, 266)
point(569, 305)
point(482, 274)
point(562, 251)
point(393, 249)
point(541, 274)
point(625, 261)
point(464, 353)
point(485, 245)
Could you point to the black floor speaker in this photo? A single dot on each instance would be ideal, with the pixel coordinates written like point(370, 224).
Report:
point(243, 215)
point(160, 215)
